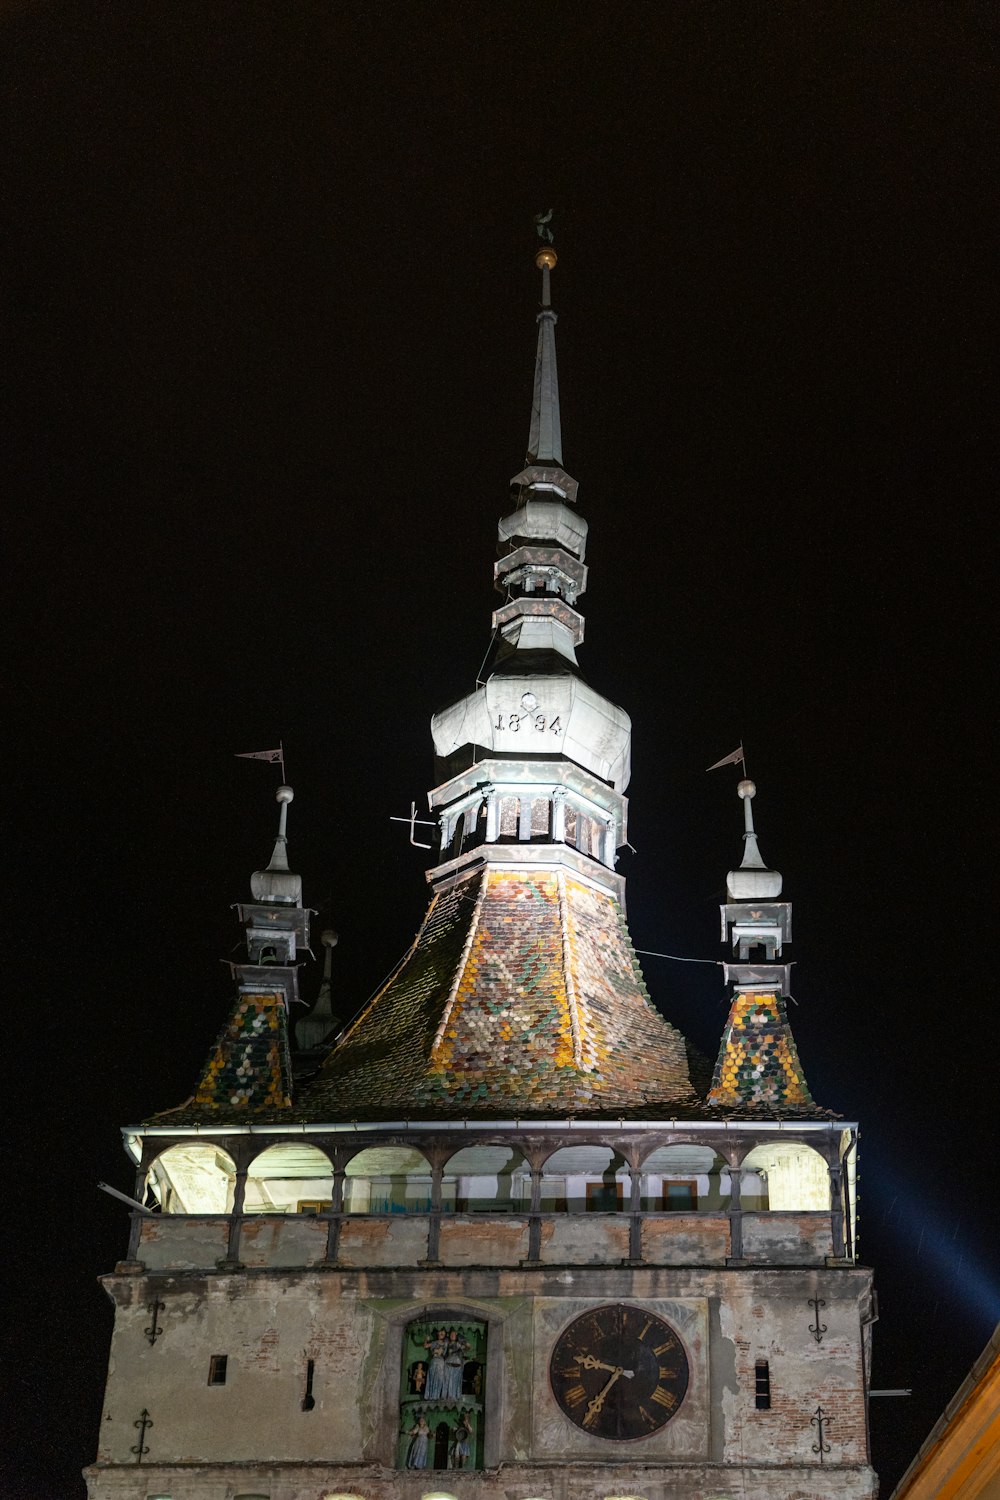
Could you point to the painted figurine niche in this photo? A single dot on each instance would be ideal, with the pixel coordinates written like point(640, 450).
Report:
point(417, 1454)
point(456, 1350)
point(437, 1347)
point(461, 1443)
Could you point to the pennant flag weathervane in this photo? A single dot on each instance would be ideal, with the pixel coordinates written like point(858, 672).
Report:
point(273, 757)
point(737, 758)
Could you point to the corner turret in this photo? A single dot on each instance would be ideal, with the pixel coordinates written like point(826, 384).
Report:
point(758, 1064)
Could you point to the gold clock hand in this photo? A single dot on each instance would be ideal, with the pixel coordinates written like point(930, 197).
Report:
point(590, 1363)
point(594, 1407)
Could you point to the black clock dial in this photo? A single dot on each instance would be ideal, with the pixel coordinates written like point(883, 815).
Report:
point(619, 1372)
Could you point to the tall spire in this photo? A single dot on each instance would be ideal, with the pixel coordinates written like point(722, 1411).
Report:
point(534, 758)
point(545, 435)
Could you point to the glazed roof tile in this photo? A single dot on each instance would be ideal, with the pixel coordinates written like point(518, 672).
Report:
point(522, 995)
point(249, 1070)
point(758, 1065)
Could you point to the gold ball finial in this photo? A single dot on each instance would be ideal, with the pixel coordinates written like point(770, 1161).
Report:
point(546, 258)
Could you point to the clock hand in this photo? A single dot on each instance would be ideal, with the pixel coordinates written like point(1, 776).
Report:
point(590, 1363)
point(594, 1407)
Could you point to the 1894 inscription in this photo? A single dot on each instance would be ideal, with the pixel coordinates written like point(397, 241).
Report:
point(514, 723)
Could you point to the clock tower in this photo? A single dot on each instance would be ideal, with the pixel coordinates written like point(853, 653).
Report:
point(493, 1239)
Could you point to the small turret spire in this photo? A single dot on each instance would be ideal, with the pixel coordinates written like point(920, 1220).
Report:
point(314, 1028)
point(545, 434)
point(758, 1065)
point(277, 883)
point(751, 854)
point(753, 881)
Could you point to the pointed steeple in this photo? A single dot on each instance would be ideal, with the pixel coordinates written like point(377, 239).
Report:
point(313, 1029)
point(758, 1066)
point(522, 992)
point(534, 759)
point(544, 478)
point(545, 434)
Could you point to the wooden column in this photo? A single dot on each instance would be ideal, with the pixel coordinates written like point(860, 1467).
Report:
point(736, 1213)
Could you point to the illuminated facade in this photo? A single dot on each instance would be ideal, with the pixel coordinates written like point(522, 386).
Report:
point(494, 1238)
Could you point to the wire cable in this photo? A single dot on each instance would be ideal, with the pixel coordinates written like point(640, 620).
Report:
point(649, 953)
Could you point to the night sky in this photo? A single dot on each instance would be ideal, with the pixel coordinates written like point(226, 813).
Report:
point(270, 326)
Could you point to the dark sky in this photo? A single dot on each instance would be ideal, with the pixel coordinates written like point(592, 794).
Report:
point(270, 323)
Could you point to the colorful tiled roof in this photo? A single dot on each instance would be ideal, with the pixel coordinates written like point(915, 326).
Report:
point(758, 1065)
point(521, 996)
point(249, 1070)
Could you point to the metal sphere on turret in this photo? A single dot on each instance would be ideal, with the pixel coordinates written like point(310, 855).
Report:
point(284, 794)
point(329, 938)
point(746, 789)
point(546, 258)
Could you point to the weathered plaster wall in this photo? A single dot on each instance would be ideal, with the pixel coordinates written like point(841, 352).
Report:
point(766, 1317)
point(510, 1482)
point(787, 1239)
point(686, 1239)
point(269, 1323)
point(176, 1242)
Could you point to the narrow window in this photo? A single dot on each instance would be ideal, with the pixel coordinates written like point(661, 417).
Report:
point(309, 1400)
point(217, 1369)
point(762, 1384)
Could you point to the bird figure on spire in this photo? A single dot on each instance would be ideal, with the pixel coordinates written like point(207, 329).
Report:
point(542, 229)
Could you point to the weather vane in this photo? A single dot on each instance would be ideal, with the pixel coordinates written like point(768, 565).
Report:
point(542, 222)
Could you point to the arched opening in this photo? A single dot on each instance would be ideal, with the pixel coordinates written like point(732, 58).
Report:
point(541, 819)
point(785, 1175)
point(685, 1178)
point(192, 1178)
point(388, 1180)
point(510, 815)
point(288, 1178)
point(585, 1179)
point(486, 1179)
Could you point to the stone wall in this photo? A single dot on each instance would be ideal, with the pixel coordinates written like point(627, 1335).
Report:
point(251, 1436)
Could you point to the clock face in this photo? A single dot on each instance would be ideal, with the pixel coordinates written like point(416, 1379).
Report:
point(619, 1372)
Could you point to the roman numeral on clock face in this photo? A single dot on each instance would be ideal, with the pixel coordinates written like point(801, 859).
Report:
point(575, 1395)
point(667, 1344)
point(664, 1398)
